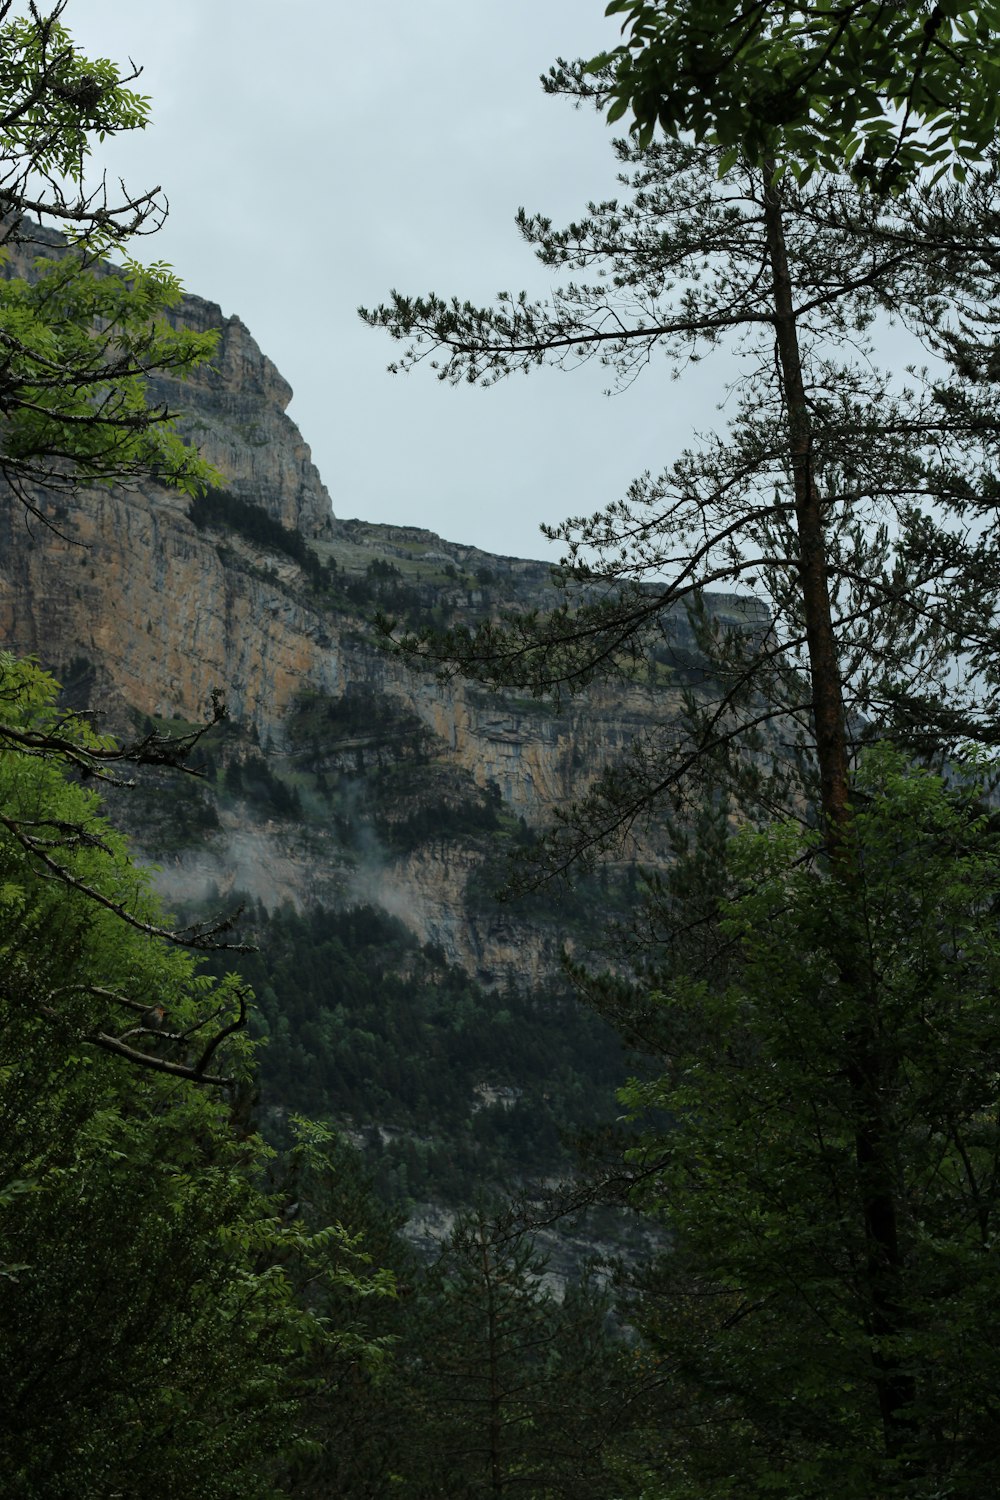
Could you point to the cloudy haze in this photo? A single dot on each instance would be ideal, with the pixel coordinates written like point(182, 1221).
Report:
point(315, 155)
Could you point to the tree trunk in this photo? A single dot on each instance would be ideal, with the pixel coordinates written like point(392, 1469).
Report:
point(868, 1069)
point(824, 667)
point(496, 1394)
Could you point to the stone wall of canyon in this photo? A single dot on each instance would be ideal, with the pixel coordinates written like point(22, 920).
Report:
point(167, 613)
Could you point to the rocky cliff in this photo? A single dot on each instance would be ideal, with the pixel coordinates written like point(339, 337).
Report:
point(400, 781)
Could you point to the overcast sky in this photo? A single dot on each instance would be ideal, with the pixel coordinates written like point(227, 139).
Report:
point(317, 154)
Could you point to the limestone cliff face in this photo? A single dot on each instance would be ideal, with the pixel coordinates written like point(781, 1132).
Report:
point(539, 758)
point(233, 408)
point(235, 411)
point(169, 615)
point(166, 612)
point(128, 583)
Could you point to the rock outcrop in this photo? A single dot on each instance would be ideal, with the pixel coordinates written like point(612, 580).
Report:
point(165, 611)
point(236, 412)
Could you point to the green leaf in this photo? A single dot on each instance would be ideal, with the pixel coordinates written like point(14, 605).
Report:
point(728, 159)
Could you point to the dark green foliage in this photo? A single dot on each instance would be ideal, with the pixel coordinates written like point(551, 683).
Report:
point(251, 777)
point(171, 814)
point(362, 720)
point(362, 1024)
point(511, 1390)
point(887, 92)
point(769, 1311)
point(497, 1382)
point(382, 591)
point(380, 569)
point(473, 817)
point(222, 511)
point(354, 1408)
point(156, 1300)
point(127, 1358)
point(407, 800)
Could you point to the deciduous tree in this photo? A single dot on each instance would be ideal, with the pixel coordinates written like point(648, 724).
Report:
point(56, 831)
point(79, 339)
point(157, 1302)
point(887, 90)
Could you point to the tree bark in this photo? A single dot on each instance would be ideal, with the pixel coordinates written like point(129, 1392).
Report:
point(496, 1394)
point(868, 1069)
point(824, 668)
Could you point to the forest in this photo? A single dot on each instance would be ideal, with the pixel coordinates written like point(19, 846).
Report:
point(784, 1078)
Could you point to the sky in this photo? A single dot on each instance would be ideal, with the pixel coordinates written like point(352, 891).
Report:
point(318, 153)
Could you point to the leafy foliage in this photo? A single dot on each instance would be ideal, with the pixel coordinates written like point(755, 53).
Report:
point(763, 1311)
point(56, 103)
point(78, 338)
point(889, 90)
point(252, 777)
point(39, 744)
point(153, 1316)
point(77, 342)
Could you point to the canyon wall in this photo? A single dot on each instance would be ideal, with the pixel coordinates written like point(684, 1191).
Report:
point(162, 612)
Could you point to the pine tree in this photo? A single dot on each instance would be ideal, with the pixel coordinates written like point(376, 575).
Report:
point(510, 1390)
point(858, 510)
point(861, 513)
point(799, 1358)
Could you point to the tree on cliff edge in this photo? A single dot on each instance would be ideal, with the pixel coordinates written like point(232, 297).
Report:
point(78, 340)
